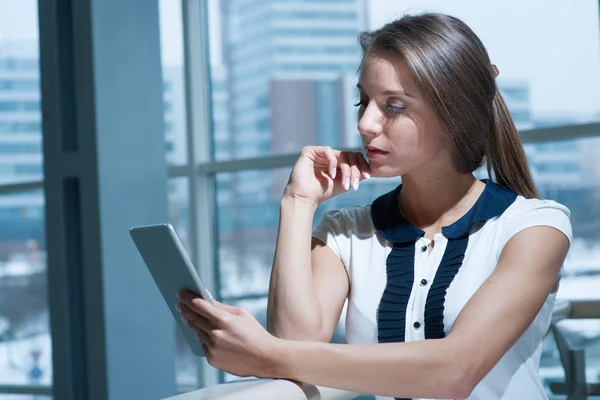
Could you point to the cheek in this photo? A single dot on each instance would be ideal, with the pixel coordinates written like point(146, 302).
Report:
point(428, 136)
point(406, 137)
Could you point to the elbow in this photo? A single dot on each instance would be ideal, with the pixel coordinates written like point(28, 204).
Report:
point(298, 329)
point(468, 377)
point(303, 335)
point(463, 375)
point(461, 390)
point(300, 332)
point(458, 386)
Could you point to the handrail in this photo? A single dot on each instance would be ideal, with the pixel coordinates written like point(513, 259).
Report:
point(585, 309)
point(266, 389)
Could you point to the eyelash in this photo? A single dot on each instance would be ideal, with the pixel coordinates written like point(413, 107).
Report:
point(392, 109)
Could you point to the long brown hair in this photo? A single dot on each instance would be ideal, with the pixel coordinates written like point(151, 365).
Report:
point(453, 73)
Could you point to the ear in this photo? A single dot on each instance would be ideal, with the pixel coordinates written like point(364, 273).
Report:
point(495, 70)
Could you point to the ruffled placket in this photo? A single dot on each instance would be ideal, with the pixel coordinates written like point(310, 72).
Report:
point(400, 263)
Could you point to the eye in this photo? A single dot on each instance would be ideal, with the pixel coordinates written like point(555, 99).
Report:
point(361, 103)
point(395, 109)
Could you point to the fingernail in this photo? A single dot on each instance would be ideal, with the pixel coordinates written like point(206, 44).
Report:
point(178, 307)
point(367, 175)
point(347, 183)
point(355, 184)
point(333, 173)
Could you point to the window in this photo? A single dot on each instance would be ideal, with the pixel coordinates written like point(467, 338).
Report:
point(577, 186)
point(179, 216)
point(19, 85)
point(19, 106)
point(25, 343)
point(176, 155)
point(11, 126)
point(173, 87)
point(20, 148)
point(24, 325)
point(290, 81)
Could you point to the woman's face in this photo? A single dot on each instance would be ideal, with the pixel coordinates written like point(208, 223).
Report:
point(398, 129)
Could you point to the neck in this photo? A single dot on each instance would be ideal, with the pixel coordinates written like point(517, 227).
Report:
point(438, 198)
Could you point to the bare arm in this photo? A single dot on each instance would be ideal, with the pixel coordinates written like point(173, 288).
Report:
point(309, 283)
point(486, 328)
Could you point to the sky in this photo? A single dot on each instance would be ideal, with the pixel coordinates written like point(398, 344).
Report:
point(552, 44)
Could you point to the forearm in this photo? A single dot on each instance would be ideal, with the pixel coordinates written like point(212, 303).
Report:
point(293, 311)
point(422, 369)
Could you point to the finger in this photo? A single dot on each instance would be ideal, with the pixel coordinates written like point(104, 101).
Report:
point(230, 309)
point(363, 165)
point(205, 349)
point(186, 296)
point(202, 307)
point(323, 156)
point(197, 321)
point(204, 339)
point(354, 170)
point(345, 170)
point(331, 157)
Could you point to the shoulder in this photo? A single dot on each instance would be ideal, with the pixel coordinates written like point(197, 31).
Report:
point(525, 213)
point(522, 206)
point(355, 220)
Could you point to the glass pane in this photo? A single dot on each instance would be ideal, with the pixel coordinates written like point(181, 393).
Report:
point(25, 346)
point(283, 72)
point(24, 397)
point(20, 116)
point(544, 40)
point(25, 349)
point(179, 216)
point(569, 172)
point(247, 224)
point(171, 35)
point(247, 229)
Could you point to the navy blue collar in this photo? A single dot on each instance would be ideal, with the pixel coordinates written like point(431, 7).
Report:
point(390, 223)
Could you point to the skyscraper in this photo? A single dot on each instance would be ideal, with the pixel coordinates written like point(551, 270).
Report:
point(21, 215)
point(269, 43)
point(20, 114)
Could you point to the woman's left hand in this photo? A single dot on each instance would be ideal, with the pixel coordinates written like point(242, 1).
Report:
point(232, 339)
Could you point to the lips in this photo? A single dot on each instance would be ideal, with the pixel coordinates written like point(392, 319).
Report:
point(374, 152)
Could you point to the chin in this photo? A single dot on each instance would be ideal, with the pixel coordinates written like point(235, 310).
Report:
point(384, 171)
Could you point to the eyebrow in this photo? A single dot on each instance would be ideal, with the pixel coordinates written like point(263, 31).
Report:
point(389, 92)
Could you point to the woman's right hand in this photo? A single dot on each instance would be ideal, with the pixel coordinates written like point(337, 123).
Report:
point(322, 173)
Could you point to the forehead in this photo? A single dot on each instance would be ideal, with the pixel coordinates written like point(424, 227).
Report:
point(386, 73)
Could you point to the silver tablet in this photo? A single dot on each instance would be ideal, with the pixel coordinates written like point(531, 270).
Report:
point(171, 270)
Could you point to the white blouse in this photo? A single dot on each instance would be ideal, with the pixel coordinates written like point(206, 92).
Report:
point(399, 292)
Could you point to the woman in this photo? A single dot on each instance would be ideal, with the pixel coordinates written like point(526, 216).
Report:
point(450, 281)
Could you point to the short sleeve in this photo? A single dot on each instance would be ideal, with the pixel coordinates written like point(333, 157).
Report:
point(536, 212)
point(331, 230)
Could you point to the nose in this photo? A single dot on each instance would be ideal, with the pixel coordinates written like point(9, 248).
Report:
point(370, 121)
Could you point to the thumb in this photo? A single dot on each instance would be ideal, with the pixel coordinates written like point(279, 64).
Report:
point(226, 307)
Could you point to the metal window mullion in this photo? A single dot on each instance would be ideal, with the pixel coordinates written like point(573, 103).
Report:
point(570, 132)
point(567, 132)
point(26, 389)
point(10, 188)
point(177, 171)
point(198, 114)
